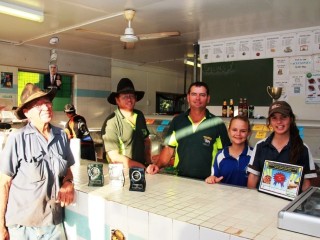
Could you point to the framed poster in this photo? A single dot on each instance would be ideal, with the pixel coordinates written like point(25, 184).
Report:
point(6, 79)
point(281, 179)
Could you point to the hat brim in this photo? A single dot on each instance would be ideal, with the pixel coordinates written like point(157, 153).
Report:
point(113, 95)
point(281, 111)
point(19, 111)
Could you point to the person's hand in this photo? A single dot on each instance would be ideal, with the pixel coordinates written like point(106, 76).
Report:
point(58, 82)
point(66, 194)
point(152, 169)
point(4, 234)
point(213, 179)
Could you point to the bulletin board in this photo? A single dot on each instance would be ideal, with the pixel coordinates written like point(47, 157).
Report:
point(247, 79)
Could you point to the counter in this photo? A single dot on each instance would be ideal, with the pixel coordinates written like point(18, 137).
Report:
point(173, 208)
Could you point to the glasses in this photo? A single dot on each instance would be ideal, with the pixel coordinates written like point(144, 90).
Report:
point(128, 96)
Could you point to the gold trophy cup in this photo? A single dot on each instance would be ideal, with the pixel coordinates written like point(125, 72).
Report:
point(274, 92)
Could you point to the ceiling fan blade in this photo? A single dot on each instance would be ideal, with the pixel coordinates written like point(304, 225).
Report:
point(98, 32)
point(149, 36)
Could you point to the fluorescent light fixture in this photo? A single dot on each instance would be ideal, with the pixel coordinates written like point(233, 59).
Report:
point(191, 63)
point(21, 12)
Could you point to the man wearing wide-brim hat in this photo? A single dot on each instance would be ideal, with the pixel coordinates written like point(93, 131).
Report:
point(125, 133)
point(36, 180)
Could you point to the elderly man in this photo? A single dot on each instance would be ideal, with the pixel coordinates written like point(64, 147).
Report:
point(195, 136)
point(36, 180)
point(125, 133)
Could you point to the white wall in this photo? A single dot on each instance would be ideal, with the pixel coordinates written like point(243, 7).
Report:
point(147, 79)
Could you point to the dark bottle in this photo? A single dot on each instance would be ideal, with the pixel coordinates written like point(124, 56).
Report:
point(251, 111)
point(231, 108)
point(240, 107)
point(245, 107)
point(224, 108)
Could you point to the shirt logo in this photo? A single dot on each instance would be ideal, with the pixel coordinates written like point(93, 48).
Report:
point(207, 141)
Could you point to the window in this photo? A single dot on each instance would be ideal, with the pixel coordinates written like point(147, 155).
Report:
point(64, 95)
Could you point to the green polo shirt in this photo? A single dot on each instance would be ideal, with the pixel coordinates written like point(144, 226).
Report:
point(126, 137)
point(196, 146)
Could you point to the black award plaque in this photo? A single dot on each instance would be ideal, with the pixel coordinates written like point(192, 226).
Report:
point(95, 174)
point(137, 179)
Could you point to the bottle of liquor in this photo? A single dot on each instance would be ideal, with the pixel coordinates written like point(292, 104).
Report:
point(251, 111)
point(231, 108)
point(245, 107)
point(240, 107)
point(224, 108)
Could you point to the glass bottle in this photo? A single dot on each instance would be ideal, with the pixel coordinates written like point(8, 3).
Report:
point(231, 108)
point(240, 107)
point(224, 108)
point(245, 107)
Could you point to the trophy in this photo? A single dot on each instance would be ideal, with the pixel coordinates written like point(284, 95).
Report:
point(274, 92)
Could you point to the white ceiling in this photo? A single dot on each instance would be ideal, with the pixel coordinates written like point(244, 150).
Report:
point(196, 20)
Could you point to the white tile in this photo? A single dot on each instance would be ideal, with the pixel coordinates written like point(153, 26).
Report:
point(237, 238)
point(185, 231)
point(209, 234)
point(96, 216)
point(116, 217)
point(160, 227)
point(138, 223)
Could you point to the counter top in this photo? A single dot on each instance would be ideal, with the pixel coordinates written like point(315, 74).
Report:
point(235, 211)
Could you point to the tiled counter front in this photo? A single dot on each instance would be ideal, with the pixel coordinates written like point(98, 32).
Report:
point(173, 208)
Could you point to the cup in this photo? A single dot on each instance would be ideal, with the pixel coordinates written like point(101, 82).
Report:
point(274, 92)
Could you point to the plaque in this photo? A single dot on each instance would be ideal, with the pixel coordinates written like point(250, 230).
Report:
point(137, 179)
point(95, 174)
point(116, 175)
point(281, 179)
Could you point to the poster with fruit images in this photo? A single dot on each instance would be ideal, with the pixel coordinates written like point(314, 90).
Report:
point(281, 179)
point(313, 87)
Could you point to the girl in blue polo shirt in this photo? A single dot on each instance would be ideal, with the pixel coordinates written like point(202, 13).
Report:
point(231, 162)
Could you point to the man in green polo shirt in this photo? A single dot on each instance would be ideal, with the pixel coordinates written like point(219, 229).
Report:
point(125, 133)
point(194, 136)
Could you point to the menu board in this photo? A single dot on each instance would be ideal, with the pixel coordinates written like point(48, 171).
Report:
point(281, 179)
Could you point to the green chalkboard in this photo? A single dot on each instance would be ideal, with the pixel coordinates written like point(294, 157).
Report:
point(247, 79)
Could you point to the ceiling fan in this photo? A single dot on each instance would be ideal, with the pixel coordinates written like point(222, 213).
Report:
point(129, 38)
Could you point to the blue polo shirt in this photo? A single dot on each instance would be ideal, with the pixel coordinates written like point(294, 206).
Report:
point(234, 171)
point(196, 146)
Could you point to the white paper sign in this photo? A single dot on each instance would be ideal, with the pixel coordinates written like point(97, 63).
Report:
point(313, 87)
point(281, 68)
point(288, 44)
point(205, 53)
point(297, 84)
point(301, 64)
point(244, 49)
point(316, 41)
point(305, 45)
point(232, 50)
point(258, 48)
point(218, 52)
point(273, 46)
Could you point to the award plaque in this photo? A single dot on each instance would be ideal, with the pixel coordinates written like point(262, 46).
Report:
point(281, 179)
point(95, 174)
point(137, 179)
point(116, 175)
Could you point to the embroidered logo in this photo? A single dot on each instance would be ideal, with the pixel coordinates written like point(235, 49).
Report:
point(207, 140)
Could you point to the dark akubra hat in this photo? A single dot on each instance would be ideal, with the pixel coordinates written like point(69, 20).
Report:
point(125, 85)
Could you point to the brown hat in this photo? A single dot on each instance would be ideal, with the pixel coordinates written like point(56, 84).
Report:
point(69, 108)
point(29, 94)
point(125, 85)
point(280, 107)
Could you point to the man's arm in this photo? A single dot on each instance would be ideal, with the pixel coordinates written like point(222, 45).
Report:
point(115, 157)
point(147, 150)
point(163, 160)
point(66, 193)
point(5, 183)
